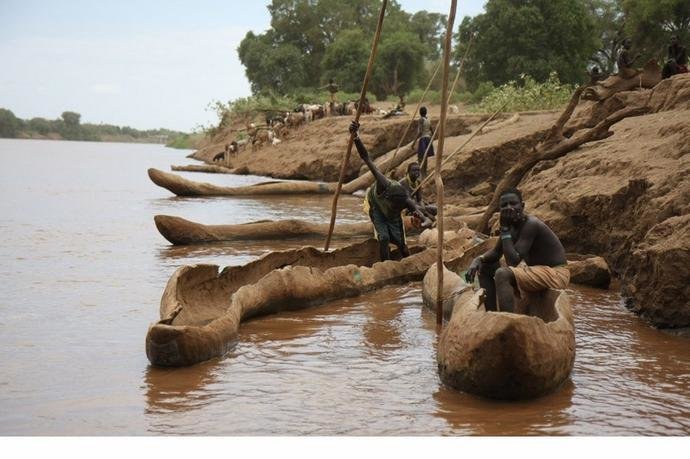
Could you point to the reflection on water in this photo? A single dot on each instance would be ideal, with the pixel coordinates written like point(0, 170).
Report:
point(83, 269)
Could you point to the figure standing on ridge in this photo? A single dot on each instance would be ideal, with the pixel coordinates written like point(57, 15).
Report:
point(523, 238)
point(423, 140)
point(384, 202)
point(677, 59)
point(625, 61)
point(332, 89)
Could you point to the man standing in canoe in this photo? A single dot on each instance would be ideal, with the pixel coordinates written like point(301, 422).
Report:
point(385, 200)
point(523, 238)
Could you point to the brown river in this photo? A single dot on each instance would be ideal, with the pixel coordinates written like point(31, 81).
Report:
point(83, 268)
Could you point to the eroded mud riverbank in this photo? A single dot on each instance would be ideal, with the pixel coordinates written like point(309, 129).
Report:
point(84, 268)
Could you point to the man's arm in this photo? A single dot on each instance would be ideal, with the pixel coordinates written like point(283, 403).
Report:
point(364, 154)
point(417, 212)
point(490, 257)
point(515, 251)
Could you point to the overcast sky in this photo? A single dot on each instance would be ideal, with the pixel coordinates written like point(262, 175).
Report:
point(145, 64)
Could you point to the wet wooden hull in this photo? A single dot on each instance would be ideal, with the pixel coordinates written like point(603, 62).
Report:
point(508, 356)
point(182, 232)
point(207, 168)
point(183, 187)
point(202, 307)
point(179, 231)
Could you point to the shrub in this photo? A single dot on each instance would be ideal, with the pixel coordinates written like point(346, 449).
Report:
point(530, 95)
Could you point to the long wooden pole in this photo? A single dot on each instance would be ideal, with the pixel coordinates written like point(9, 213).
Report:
point(439, 159)
point(414, 114)
point(362, 96)
point(426, 179)
point(450, 96)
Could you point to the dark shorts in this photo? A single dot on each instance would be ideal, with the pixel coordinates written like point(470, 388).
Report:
point(421, 148)
point(393, 230)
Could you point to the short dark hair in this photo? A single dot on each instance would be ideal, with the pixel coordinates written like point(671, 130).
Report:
point(512, 190)
point(413, 163)
point(422, 111)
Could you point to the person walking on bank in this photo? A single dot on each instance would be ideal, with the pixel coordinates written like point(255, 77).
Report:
point(523, 238)
point(384, 201)
point(424, 138)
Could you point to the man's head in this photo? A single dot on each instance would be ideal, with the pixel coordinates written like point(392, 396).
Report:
point(595, 70)
point(674, 40)
point(422, 111)
point(397, 195)
point(511, 202)
point(627, 43)
point(413, 170)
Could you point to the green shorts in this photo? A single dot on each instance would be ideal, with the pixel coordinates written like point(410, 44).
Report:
point(393, 230)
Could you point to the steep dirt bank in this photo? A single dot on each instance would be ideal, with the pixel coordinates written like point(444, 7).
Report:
point(626, 197)
point(315, 151)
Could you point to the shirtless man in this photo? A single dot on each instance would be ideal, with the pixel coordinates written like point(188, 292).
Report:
point(385, 200)
point(677, 59)
point(410, 182)
point(523, 238)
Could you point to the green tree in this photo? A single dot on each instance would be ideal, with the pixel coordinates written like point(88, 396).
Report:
point(40, 125)
point(346, 60)
point(651, 23)
point(10, 125)
point(69, 127)
point(430, 28)
point(291, 54)
point(399, 64)
point(609, 25)
point(532, 37)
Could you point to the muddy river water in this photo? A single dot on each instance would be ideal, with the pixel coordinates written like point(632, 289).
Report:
point(82, 269)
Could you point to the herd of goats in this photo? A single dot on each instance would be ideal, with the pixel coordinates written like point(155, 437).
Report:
point(280, 123)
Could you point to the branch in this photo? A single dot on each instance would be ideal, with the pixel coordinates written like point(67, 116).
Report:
point(549, 152)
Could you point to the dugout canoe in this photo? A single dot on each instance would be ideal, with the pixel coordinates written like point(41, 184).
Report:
point(503, 355)
point(181, 186)
point(179, 231)
point(208, 168)
point(202, 306)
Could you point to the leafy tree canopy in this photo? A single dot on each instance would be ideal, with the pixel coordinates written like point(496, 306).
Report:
point(532, 37)
point(311, 41)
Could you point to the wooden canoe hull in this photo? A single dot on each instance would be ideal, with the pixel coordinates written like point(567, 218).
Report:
point(508, 356)
point(202, 307)
point(181, 186)
point(179, 231)
point(207, 168)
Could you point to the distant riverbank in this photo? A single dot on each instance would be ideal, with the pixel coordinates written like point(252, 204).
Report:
point(69, 127)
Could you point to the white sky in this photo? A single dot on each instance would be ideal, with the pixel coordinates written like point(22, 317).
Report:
point(144, 64)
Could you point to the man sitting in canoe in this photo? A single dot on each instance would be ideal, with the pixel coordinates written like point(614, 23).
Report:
point(523, 238)
point(385, 200)
point(410, 182)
